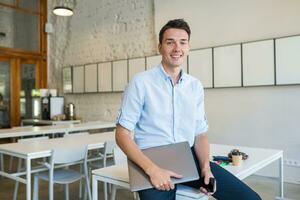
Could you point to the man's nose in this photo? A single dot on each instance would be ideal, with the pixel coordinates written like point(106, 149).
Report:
point(176, 46)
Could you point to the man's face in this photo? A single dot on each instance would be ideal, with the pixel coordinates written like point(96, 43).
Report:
point(174, 47)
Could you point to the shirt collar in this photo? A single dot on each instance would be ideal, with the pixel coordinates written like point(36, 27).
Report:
point(167, 76)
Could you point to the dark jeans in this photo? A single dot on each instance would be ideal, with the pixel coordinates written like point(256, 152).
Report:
point(228, 187)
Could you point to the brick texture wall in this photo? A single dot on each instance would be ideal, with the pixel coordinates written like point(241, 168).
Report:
point(99, 31)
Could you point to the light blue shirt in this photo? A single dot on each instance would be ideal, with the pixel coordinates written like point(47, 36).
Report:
point(160, 113)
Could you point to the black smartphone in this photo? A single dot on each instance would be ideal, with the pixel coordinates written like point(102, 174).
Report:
point(211, 187)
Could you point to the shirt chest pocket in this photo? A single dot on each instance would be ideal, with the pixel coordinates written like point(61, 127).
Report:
point(158, 105)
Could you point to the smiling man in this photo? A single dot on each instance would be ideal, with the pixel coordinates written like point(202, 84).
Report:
point(164, 105)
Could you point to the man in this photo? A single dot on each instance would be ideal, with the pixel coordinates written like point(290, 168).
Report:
point(165, 105)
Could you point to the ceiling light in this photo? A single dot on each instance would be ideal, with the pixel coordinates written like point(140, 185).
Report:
point(64, 7)
point(62, 11)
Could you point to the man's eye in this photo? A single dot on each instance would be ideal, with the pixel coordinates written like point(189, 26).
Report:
point(169, 43)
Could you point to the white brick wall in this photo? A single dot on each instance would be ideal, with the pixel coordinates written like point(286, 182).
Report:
point(99, 31)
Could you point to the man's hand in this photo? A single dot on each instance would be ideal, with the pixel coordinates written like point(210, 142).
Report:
point(206, 173)
point(161, 178)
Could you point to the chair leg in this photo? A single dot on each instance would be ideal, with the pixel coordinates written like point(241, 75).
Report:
point(136, 196)
point(1, 162)
point(51, 187)
point(36, 188)
point(105, 190)
point(87, 185)
point(10, 163)
point(66, 191)
point(113, 192)
point(80, 184)
point(15, 196)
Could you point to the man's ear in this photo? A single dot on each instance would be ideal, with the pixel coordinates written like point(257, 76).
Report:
point(159, 47)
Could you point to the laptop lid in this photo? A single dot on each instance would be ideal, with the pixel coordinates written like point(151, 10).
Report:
point(175, 157)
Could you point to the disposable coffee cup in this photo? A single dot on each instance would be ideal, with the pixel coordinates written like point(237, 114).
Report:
point(237, 160)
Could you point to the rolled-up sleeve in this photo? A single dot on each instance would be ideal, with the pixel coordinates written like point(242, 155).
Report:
point(132, 104)
point(201, 120)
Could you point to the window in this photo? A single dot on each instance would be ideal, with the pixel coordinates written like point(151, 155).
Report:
point(23, 54)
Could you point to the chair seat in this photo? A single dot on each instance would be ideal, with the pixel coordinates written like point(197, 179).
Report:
point(62, 176)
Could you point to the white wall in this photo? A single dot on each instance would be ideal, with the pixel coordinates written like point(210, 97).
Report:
point(256, 116)
point(216, 22)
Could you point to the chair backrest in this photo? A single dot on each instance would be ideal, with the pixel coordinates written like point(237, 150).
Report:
point(69, 155)
point(33, 139)
point(109, 147)
point(108, 150)
point(76, 134)
point(119, 156)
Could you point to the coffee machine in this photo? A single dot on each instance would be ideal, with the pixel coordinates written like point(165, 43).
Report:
point(52, 106)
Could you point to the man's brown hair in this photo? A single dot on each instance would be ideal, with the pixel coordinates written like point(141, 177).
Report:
point(175, 23)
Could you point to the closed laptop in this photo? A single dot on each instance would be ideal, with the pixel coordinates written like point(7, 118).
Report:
point(175, 157)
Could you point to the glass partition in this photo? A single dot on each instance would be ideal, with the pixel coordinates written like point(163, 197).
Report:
point(27, 85)
point(4, 94)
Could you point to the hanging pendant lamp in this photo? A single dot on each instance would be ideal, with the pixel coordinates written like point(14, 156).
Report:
point(64, 8)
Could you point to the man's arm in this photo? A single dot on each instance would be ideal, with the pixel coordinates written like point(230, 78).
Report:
point(160, 178)
point(201, 147)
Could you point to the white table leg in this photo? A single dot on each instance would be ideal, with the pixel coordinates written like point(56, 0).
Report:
point(28, 178)
point(95, 188)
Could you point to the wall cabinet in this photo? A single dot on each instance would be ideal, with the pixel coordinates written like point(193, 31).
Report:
point(90, 78)
point(120, 77)
point(200, 66)
point(104, 77)
point(67, 80)
point(288, 60)
point(258, 63)
point(135, 66)
point(78, 79)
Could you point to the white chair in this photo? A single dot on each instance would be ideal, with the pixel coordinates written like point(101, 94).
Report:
point(120, 159)
point(103, 157)
point(20, 163)
point(74, 135)
point(64, 176)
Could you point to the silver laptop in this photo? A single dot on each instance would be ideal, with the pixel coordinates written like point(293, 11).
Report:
point(175, 157)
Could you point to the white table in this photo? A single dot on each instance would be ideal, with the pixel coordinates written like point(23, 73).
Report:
point(258, 159)
point(63, 128)
point(41, 149)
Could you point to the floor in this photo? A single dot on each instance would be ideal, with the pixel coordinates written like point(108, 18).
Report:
point(266, 187)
